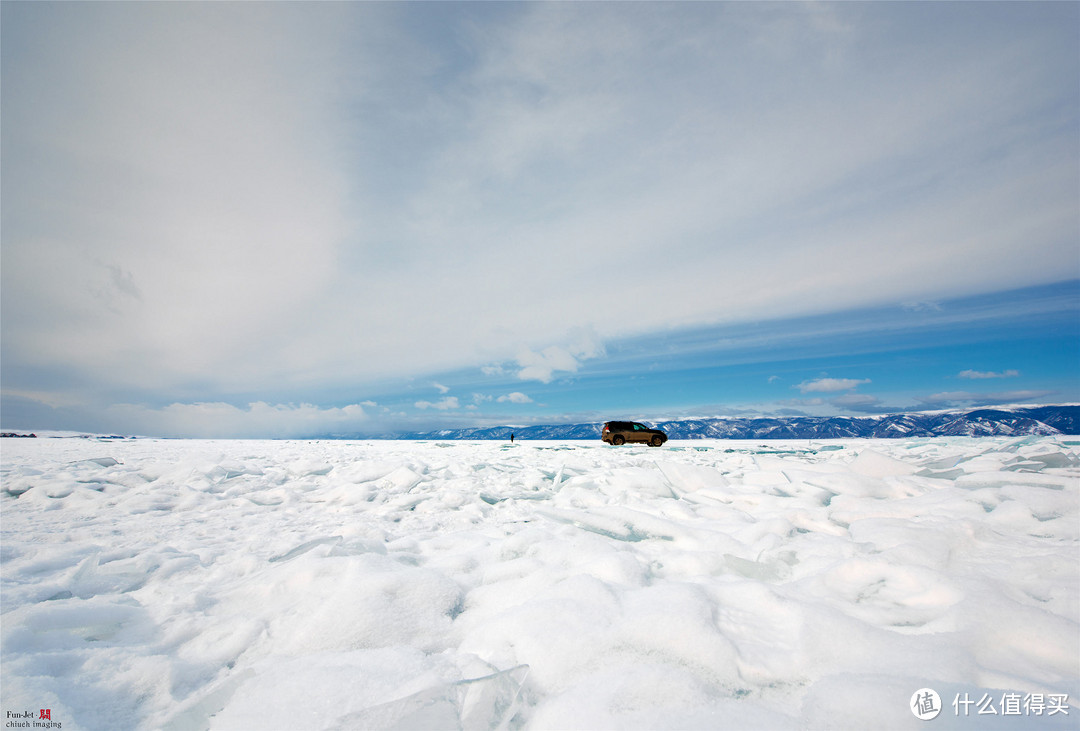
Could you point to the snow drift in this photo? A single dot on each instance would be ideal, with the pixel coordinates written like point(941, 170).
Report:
point(339, 585)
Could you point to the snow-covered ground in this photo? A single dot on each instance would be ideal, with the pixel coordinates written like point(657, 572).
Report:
point(349, 585)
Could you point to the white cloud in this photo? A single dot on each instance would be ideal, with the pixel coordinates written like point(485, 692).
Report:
point(924, 306)
point(542, 366)
point(515, 397)
point(950, 398)
point(856, 402)
point(802, 403)
point(201, 214)
point(441, 388)
point(947, 397)
point(977, 375)
point(450, 402)
point(222, 420)
point(830, 385)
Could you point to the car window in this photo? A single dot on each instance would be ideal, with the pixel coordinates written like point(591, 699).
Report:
point(638, 427)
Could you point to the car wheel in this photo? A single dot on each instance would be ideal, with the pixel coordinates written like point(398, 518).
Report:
point(617, 440)
point(656, 441)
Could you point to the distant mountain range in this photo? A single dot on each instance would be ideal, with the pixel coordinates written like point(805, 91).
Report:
point(1001, 421)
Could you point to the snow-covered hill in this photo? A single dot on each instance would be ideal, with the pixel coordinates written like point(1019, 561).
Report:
point(1012, 421)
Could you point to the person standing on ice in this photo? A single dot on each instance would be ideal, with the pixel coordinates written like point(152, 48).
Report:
point(511, 437)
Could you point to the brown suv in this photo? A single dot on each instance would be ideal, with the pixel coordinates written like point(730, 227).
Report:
point(620, 432)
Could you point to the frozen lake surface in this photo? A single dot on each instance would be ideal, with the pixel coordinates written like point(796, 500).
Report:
point(707, 584)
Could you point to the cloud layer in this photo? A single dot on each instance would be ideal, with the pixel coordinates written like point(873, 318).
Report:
point(221, 420)
point(281, 203)
point(830, 385)
point(977, 375)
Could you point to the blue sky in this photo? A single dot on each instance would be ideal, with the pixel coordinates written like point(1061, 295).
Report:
point(263, 219)
point(1009, 347)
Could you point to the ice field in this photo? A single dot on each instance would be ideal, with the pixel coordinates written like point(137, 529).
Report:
point(553, 585)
